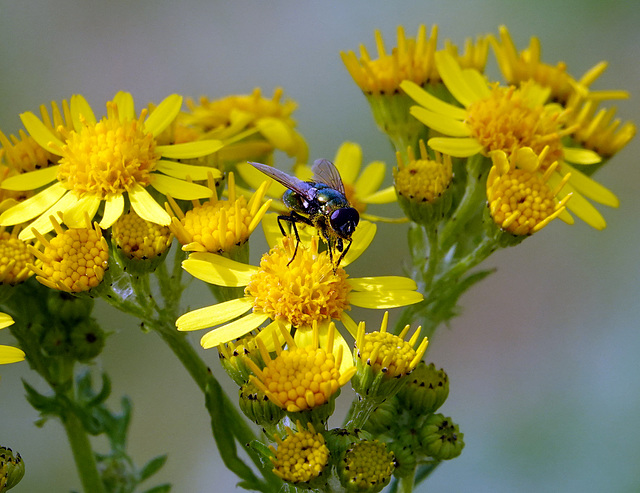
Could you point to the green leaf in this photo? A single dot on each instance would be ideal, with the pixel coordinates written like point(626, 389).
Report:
point(152, 467)
point(163, 488)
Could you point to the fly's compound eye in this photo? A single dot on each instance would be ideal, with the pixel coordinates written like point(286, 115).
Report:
point(344, 221)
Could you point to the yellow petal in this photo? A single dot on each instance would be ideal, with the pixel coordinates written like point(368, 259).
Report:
point(349, 324)
point(454, 79)
point(218, 270)
point(179, 170)
point(81, 112)
point(590, 188)
point(31, 180)
point(213, 315)
point(276, 132)
point(384, 299)
point(113, 209)
point(233, 330)
point(163, 114)
point(43, 223)
point(362, 238)
point(440, 123)
point(190, 150)
point(10, 354)
point(456, 146)
point(370, 179)
point(5, 320)
point(384, 196)
point(432, 103)
point(146, 207)
point(41, 133)
point(348, 161)
point(576, 155)
point(577, 204)
point(34, 206)
point(388, 283)
point(125, 104)
point(179, 189)
point(74, 215)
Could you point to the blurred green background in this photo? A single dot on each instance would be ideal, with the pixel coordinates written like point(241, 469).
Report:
point(544, 360)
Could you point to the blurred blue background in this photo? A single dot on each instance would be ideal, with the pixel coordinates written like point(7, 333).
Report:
point(545, 380)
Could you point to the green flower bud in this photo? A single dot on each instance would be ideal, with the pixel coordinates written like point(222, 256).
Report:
point(440, 438)
point(383, 418)
point(367, 467)
point(233, 358)
point(425, 391)
point(11, 469)
point(405, 458)
point(54, 340)
point(67, 307)
point(257, 407)
point(86, 340)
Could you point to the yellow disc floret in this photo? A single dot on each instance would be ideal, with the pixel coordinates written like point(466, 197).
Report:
point(74, 260)
point(301, 456)
point(140, 239)
point(109, 157)
point(424, 179)
point(300, 289)
point(14, 257)
point(368, 466)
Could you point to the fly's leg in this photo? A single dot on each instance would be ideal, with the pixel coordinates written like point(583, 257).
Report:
point(344, 252)
point(292, 219)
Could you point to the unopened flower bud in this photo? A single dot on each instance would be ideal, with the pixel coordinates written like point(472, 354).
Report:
point(86, 340)
point(441, 438)
point(11, 469)
point(257, 407)
point(425, 391)
point(367, 467)
point(382, 419)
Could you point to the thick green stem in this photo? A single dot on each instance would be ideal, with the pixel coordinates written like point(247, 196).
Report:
point(83, 454)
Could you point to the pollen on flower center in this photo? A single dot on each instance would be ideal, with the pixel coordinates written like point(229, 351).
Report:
point(302, 292)
point(111, 156)
point(14, 257)
point(301, 456)
point(507, 121)
point(424, 179)
point(368, 464)
point(140, 239)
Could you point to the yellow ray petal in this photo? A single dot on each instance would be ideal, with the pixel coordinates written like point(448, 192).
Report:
point(388, 283)
point(362, 238)
point(591, 188)
point(179, 189)
point(213, 315)
point(163, 114)
point(190, 150)
point(440, 123)
point(179, 170)
point(348, 160)
point(31, 180)
point(233, 330)
point(456, 146)
point(276, 132)
point(146, 207)
point(254, 179)
point(218, 270)
point(576, 155)
point(454, 79)
point(383, 196)
point(43, 223)
point(41, 133)
point(5, 320)
point(580, 206)
point(113, 209)
point(28, 209)
point(432, 103)
point(126, 106)
point(10, 354)
point(74, 215)
point(370, 179)
point(384, 299)
point(349, 324)
point(81, 112)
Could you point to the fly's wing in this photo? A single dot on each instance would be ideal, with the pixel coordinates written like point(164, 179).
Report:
point(291, 182)
point(325, 172)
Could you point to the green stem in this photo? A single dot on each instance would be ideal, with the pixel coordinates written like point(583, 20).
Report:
point(359, 413)
point(82, 454)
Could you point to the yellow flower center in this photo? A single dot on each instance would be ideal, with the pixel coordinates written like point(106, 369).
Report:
point(423, 180)
point(301, 378)
point(140, 239)
point(387, 353)
point(520, 202)
point(507, 121)
point(75, 260)
point(300, 457)
point(367, 464)
point(14, 257)
point(300, 289)
point(111, 156)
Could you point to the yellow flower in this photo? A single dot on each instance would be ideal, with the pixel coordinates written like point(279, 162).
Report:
point(14, 258)
point(74, 260)
point(301, 456)
point(367, 466)
point(294, 291)
point(253, 125)
point(219, 226)
point(139, 239)
point(520, 199)
point(9, 354)
point(301, 377)
point(101, 161)
point(506, 119)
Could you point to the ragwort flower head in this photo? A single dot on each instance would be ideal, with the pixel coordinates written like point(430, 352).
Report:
point(506, 118)
point(14, 257)
point(9, 354)
point(139, 239)
point(367, 467)
point(219, 226)
point(296, 293)
point(101, 162)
